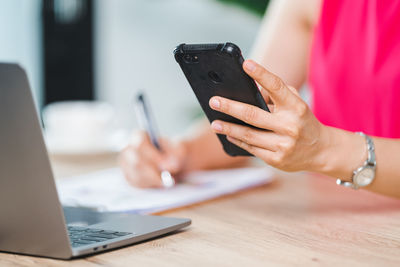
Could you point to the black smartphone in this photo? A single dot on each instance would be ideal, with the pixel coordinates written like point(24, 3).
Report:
point(216, 70)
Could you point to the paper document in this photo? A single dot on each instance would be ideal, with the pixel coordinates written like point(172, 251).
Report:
point(108, 190)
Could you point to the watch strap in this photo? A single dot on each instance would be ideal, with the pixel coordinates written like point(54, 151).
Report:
point(371, 161)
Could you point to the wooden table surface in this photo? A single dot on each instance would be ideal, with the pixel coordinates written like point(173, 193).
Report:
point(300, 219)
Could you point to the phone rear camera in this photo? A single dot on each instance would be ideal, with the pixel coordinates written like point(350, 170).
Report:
point(214, 77)
point(187, 58)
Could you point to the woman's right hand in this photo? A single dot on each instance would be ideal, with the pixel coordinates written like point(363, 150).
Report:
point(142, 163)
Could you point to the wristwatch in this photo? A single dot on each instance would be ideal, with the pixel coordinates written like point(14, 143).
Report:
point(364, 175)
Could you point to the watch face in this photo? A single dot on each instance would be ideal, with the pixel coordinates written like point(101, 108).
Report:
point(364, 177)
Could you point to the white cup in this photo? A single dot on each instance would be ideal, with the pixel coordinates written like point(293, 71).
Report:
point(79, 126)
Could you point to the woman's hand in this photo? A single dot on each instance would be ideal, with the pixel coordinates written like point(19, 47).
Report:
point(142, 163)
point(289, 138)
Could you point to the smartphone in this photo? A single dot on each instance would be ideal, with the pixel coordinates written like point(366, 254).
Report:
point(216, 70)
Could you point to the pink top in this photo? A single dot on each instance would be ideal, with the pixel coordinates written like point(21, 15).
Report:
point(355, 66)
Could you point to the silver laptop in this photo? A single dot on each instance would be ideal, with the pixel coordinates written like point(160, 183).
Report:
point(32, 220)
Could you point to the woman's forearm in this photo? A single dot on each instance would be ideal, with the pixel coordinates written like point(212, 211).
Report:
point(387, 179)
point(345, 151)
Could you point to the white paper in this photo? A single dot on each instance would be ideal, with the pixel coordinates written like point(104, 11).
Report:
point(108, 190)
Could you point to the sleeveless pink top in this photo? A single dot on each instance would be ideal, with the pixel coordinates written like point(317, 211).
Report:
point(355, 66)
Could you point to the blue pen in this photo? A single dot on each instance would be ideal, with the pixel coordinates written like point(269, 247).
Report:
point(146, 122)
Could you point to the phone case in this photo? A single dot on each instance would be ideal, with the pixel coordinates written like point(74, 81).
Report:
point(216, 70)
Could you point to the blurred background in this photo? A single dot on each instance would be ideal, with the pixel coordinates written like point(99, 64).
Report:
point(86, 59)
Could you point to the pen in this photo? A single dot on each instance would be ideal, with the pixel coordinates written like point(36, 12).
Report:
point(146, 122)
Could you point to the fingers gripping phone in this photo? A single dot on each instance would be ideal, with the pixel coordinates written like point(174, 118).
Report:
point(216, 70)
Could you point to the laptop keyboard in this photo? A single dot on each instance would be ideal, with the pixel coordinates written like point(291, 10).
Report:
point(82, 236)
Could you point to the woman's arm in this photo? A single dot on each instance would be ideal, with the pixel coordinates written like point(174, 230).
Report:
point(346, 151)
point(283, 43)
point(292, 139)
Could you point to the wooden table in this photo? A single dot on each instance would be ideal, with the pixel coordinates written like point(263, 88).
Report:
point(300, 219)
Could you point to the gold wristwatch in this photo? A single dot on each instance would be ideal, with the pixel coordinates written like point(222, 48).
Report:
point(365, 174)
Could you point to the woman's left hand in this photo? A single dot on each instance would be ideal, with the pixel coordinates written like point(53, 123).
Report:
point(288, 138)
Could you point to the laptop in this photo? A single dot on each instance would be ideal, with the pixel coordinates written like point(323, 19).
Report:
point(32, 220)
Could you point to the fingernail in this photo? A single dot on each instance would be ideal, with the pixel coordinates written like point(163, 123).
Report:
point(214, 103)
point(216, 126)
point(249, 65)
